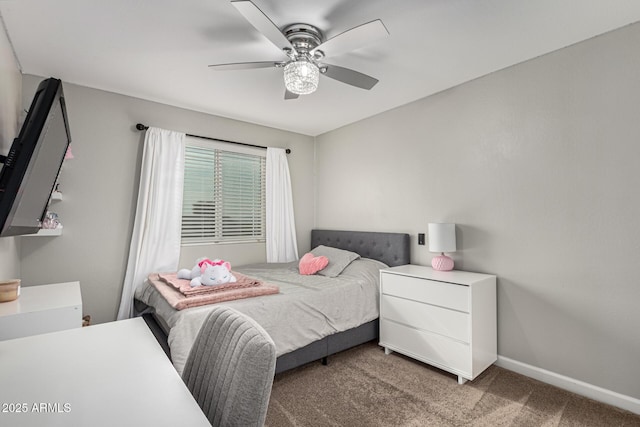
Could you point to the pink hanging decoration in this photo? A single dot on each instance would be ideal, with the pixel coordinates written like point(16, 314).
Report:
point(68, 155)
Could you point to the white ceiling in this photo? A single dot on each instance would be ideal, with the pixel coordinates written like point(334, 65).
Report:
point(159, 49)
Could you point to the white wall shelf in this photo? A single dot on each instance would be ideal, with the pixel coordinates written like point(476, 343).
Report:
point(44, 232)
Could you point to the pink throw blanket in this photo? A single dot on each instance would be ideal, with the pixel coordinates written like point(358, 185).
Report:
point(216, 294)
point(184, 285)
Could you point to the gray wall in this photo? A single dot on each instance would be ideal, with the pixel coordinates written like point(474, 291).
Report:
point(10, 107)
point(100, 191)
point(538, 167)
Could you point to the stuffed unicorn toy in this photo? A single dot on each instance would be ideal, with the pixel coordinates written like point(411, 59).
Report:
point(208, 273)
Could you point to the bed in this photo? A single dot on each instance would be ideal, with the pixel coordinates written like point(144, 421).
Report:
point(311, 318)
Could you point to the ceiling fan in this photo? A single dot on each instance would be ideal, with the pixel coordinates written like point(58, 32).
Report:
point(305, 48)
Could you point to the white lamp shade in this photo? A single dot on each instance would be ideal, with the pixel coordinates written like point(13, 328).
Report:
point(442, 237)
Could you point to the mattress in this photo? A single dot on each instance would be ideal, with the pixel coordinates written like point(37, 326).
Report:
point(306, 309)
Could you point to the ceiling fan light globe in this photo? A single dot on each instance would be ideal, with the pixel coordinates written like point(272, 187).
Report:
point(301, 77)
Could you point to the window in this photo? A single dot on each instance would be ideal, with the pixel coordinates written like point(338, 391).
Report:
point(224, 194)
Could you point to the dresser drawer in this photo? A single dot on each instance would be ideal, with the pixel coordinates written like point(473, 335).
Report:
point(426, 347)
point(442, 294)
point(443, 321)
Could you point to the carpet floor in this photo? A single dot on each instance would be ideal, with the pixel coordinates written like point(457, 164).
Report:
point(364, 387)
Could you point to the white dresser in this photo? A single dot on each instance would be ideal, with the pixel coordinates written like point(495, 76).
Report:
point(41, 309)
point(444, 318)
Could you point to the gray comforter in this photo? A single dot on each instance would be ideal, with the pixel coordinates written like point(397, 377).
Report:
point(308, 308)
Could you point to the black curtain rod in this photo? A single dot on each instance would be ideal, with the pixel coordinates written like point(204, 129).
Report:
point(140, 126)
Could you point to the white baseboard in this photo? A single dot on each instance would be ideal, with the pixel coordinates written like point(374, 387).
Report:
point(575, 386)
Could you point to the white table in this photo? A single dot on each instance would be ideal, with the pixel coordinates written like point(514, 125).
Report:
point(113, 374)
point(41, 309)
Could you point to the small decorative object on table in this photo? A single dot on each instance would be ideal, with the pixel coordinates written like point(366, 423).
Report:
point(9, 290)
point(442, 238)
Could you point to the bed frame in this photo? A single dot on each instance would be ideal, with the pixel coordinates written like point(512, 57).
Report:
point(390, 248)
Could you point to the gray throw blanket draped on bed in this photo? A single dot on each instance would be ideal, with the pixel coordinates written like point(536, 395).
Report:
point(308, 308)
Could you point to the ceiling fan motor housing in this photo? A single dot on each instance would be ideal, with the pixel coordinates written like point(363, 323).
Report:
point(304, 38)
point(301, 74)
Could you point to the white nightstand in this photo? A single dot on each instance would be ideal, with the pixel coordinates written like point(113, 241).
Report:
point(444, 318)
point(41, 309)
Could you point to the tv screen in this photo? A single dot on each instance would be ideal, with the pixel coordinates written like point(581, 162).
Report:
point(31, 167)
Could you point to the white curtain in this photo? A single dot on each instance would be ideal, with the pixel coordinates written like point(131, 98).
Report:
point(155, 241)
point(281, 226)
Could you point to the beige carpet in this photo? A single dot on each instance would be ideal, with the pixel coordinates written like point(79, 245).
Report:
point(364, 387)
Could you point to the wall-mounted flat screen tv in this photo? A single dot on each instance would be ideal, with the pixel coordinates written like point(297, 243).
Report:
point(31, 167)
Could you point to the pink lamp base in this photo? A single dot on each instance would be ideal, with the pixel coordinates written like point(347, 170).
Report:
point(442, 263)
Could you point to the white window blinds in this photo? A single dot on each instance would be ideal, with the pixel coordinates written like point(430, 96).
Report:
point(224, 196)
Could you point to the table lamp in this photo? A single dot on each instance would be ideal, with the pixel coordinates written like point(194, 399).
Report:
point(442, 238)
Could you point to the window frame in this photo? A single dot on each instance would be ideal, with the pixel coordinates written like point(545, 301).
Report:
point(219, 238)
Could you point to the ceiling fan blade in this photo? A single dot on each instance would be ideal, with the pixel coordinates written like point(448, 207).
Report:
point(290, 95)
point(262, 23)
point(353, 38)
point(243, 65)
point(350, 77)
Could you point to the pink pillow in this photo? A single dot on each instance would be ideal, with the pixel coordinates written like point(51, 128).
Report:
point(310, 264)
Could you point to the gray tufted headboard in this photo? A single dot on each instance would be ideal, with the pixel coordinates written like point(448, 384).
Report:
point(391, 248)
